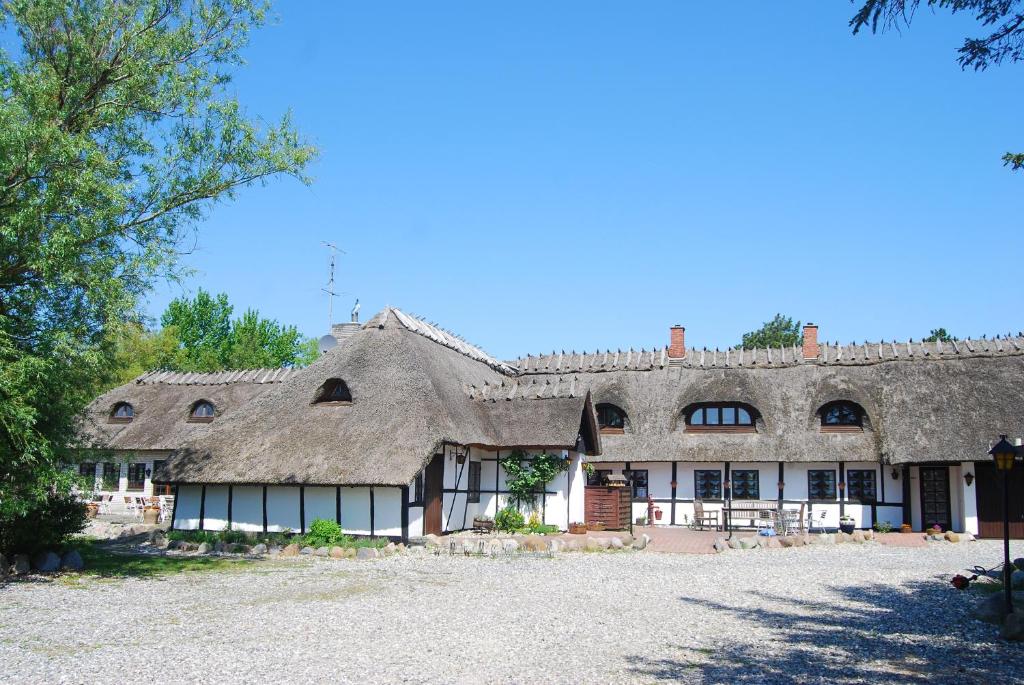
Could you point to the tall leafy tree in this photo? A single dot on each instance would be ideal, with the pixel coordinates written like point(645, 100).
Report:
point(117, 134)
point(939, 334)
point(780, 331)
point(1002, 39)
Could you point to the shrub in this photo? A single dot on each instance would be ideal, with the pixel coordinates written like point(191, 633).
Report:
point(883, 527)
point(509, 520)
point(45, 524)
point(324, 533)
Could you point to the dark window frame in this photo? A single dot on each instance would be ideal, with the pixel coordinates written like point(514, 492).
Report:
point(87, 469)
point(598, 478)
point(138, 467)
point(117, 416)
point(698, 484)
point(473, 480)
point(633, 485)
point(417, 489)
point(194, 417)
point(333, 393)
point(718, 410)
point(607, 410)
point(115, 472)
point(849, 417)
point(811, 486)
point(861, 488)
point(745, 493)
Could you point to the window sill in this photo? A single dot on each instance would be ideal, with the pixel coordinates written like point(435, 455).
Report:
point(200, 419)
point(115, 420)
point(842, 429)
point(333, 404)
point(612, 431)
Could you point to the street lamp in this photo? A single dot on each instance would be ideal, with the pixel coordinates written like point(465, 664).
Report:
point(1004, 453)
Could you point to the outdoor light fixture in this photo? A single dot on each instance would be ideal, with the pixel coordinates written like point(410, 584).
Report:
point(781, 485)
point(895, 473)
point(1004, 453)
point(968, 478)
point(460, 456)
point(149, 472)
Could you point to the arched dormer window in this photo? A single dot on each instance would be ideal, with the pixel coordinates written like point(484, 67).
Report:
point(202, 411)
point(723, 417)
point(611, 420)
point(841, 416)
point(122, 413)
point(334, 392)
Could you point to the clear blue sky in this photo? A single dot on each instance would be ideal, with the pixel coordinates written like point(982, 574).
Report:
point(538, 175)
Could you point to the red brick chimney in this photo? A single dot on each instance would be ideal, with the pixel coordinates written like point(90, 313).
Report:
point(677, 342)
point(810, 341)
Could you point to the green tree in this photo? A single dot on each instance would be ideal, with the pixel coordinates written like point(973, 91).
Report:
point(256, 342)
point(1002, 20)
point(117, 134)
point(137, 350)
point(939, 334)
point(781, 331)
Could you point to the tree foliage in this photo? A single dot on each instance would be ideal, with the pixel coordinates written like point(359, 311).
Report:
point(1003, 20)
point(117, 134)
point(781, 331)
point(939, 334)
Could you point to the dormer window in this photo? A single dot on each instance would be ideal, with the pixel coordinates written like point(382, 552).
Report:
point(725, 417)
point(333, 392)
point(202, 412)
point(841, 417)
point(610, 419)
point(122, 413)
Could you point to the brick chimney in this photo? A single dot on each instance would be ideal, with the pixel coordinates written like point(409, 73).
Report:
point(810, 341)
point(677, 342)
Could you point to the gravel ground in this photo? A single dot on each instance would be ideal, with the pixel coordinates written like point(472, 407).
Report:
point(839, 614)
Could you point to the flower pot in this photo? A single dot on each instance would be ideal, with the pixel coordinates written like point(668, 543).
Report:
point(657, 514)
point(483, 524)
point(596, 525)
point(151, 515)
point(577, 529)
point(91, 509)
point(847, 527)
point(906, 528)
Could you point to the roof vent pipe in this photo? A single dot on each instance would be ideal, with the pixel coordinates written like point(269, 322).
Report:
point(810, 341)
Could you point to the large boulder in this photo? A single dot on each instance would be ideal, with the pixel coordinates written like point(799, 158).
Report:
point(72, 561)
point(992, 608)
point(22, 565)
point(336, 552)
point(616, 543)
point(322, 551)
point(220, 547)
point(721, 544)
point(592, 545)
point(950, 536)
point(535, 543)
point(204, 548)
point(640, 542)
point(46, 562)
point(509, 546)
point(291, 550)
point(306, 550)
point(1019, 563)
point(367, 553)
point(259, 549)
point(1017, 580)
point(858, 536)
point(1013, 626)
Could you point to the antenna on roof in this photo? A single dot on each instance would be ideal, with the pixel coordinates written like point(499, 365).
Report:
point(330, 283)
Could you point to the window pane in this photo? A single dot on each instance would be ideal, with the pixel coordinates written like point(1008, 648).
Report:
point(860, 485)
point(745, 484)
point(713, 416)
point(729, 416)
point(474, 481)
point(697, 417)
point(136, 476)
point(111, 476)
point(743, 417)
point(638, 480)
point(821, 484)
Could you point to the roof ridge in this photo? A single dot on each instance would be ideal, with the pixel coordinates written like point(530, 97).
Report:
point(222, 377)
point(446, 338)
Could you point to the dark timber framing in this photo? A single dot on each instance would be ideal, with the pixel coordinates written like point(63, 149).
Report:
point(202, 508)
point(174, 509)
point(264, 508)
point(231, 495)
point(302, 509)
point(675, 473)
point(405, 512)
point(371, 513)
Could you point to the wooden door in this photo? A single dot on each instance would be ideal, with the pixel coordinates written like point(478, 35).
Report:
point(989, 483)
point(935, 506)
point(433, 489)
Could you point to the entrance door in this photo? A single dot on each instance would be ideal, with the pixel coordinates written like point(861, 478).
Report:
point(989, 482)
point(433, 485)
point(935, 497)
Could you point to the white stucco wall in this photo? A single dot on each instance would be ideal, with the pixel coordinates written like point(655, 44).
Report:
point(283, 509)
point(320, 503)
point(215, 513)
point(387, 512)
point(969, 497)
point(247, 508)
point(355, 510)
point(415, 521)
point(187, 505)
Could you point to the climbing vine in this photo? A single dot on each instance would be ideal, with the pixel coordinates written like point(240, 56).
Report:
point(525, 480)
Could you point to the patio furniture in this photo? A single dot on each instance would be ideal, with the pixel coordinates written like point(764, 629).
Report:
point(765, 519)
point(702, 519)
point(166, 506)
point(821, 520)
point(789, 520)
point(103, 502)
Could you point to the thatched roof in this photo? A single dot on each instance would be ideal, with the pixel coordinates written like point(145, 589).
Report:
point(934, 407)
point(408, 382)
point(162, 401)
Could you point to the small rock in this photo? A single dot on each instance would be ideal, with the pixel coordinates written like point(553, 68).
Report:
point(858, 536)
point(721, 544)
point(535, 543)
point(509, 546)
point(21, 564)
point(46, 562)
point(306, 550)
point(291, 550)
point(336, 552)
point(367, 553)
point(787, 541)
point(592, 545)
point(647, 539)
point(951, 536)
point(842, 537)
point(616, 543)
point(322, 551)
point(204, 548)
point(967, 537)
point(640, 542)
point(391, 548)
point(734, 543)
point(626, 538)
point(748, 543)
point(495, 548)
point(72, 561)
point(259, 549)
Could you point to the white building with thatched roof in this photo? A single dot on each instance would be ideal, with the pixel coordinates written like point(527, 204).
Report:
point(399, 430)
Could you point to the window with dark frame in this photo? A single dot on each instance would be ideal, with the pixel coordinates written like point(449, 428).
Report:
point(164, 489)
point(474, 483)
point(860, 485)
point(707, 484)
point(722, 416)
point(111, 476)
point(638, 481)
point(122, 413)
point(137, 475)
point(745, 484)
point(611, 419)
point(87, 469)
point(598, 477)
point(417, 489)
point(821, 484)
point(842, 416)
point(333, 391)
point(202, 412)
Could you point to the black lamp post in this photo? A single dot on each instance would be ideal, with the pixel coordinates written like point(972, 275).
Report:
point(1004, 453)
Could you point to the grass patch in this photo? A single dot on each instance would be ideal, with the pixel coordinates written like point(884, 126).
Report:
point(104, 563)
point(986, 588)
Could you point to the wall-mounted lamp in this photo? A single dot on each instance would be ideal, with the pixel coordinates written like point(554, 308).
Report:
point(781, 485)
point(895, 473)
point(842, 485)
point(968, 478)
point(460, 456)
point(149, 472)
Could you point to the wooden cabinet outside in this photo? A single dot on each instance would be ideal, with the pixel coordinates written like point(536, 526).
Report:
point(608, 505)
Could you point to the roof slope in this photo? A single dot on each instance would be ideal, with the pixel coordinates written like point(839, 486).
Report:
point(408, 397)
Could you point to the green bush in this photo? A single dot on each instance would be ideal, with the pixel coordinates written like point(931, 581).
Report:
point(509, 520)
point(324, 533)
point(883, 527)
point(44, 524)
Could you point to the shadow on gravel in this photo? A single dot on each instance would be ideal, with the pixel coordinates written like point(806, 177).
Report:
point(912, 633)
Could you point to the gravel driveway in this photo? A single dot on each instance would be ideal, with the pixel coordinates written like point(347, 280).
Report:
point(816, 614)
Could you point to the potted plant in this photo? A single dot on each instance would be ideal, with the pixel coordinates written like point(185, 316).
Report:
point(91, 509)
point(151, 514)
point(847, 524)
point(906, 528)
point(641, 520)
point(577, 528)
point(483, 522)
